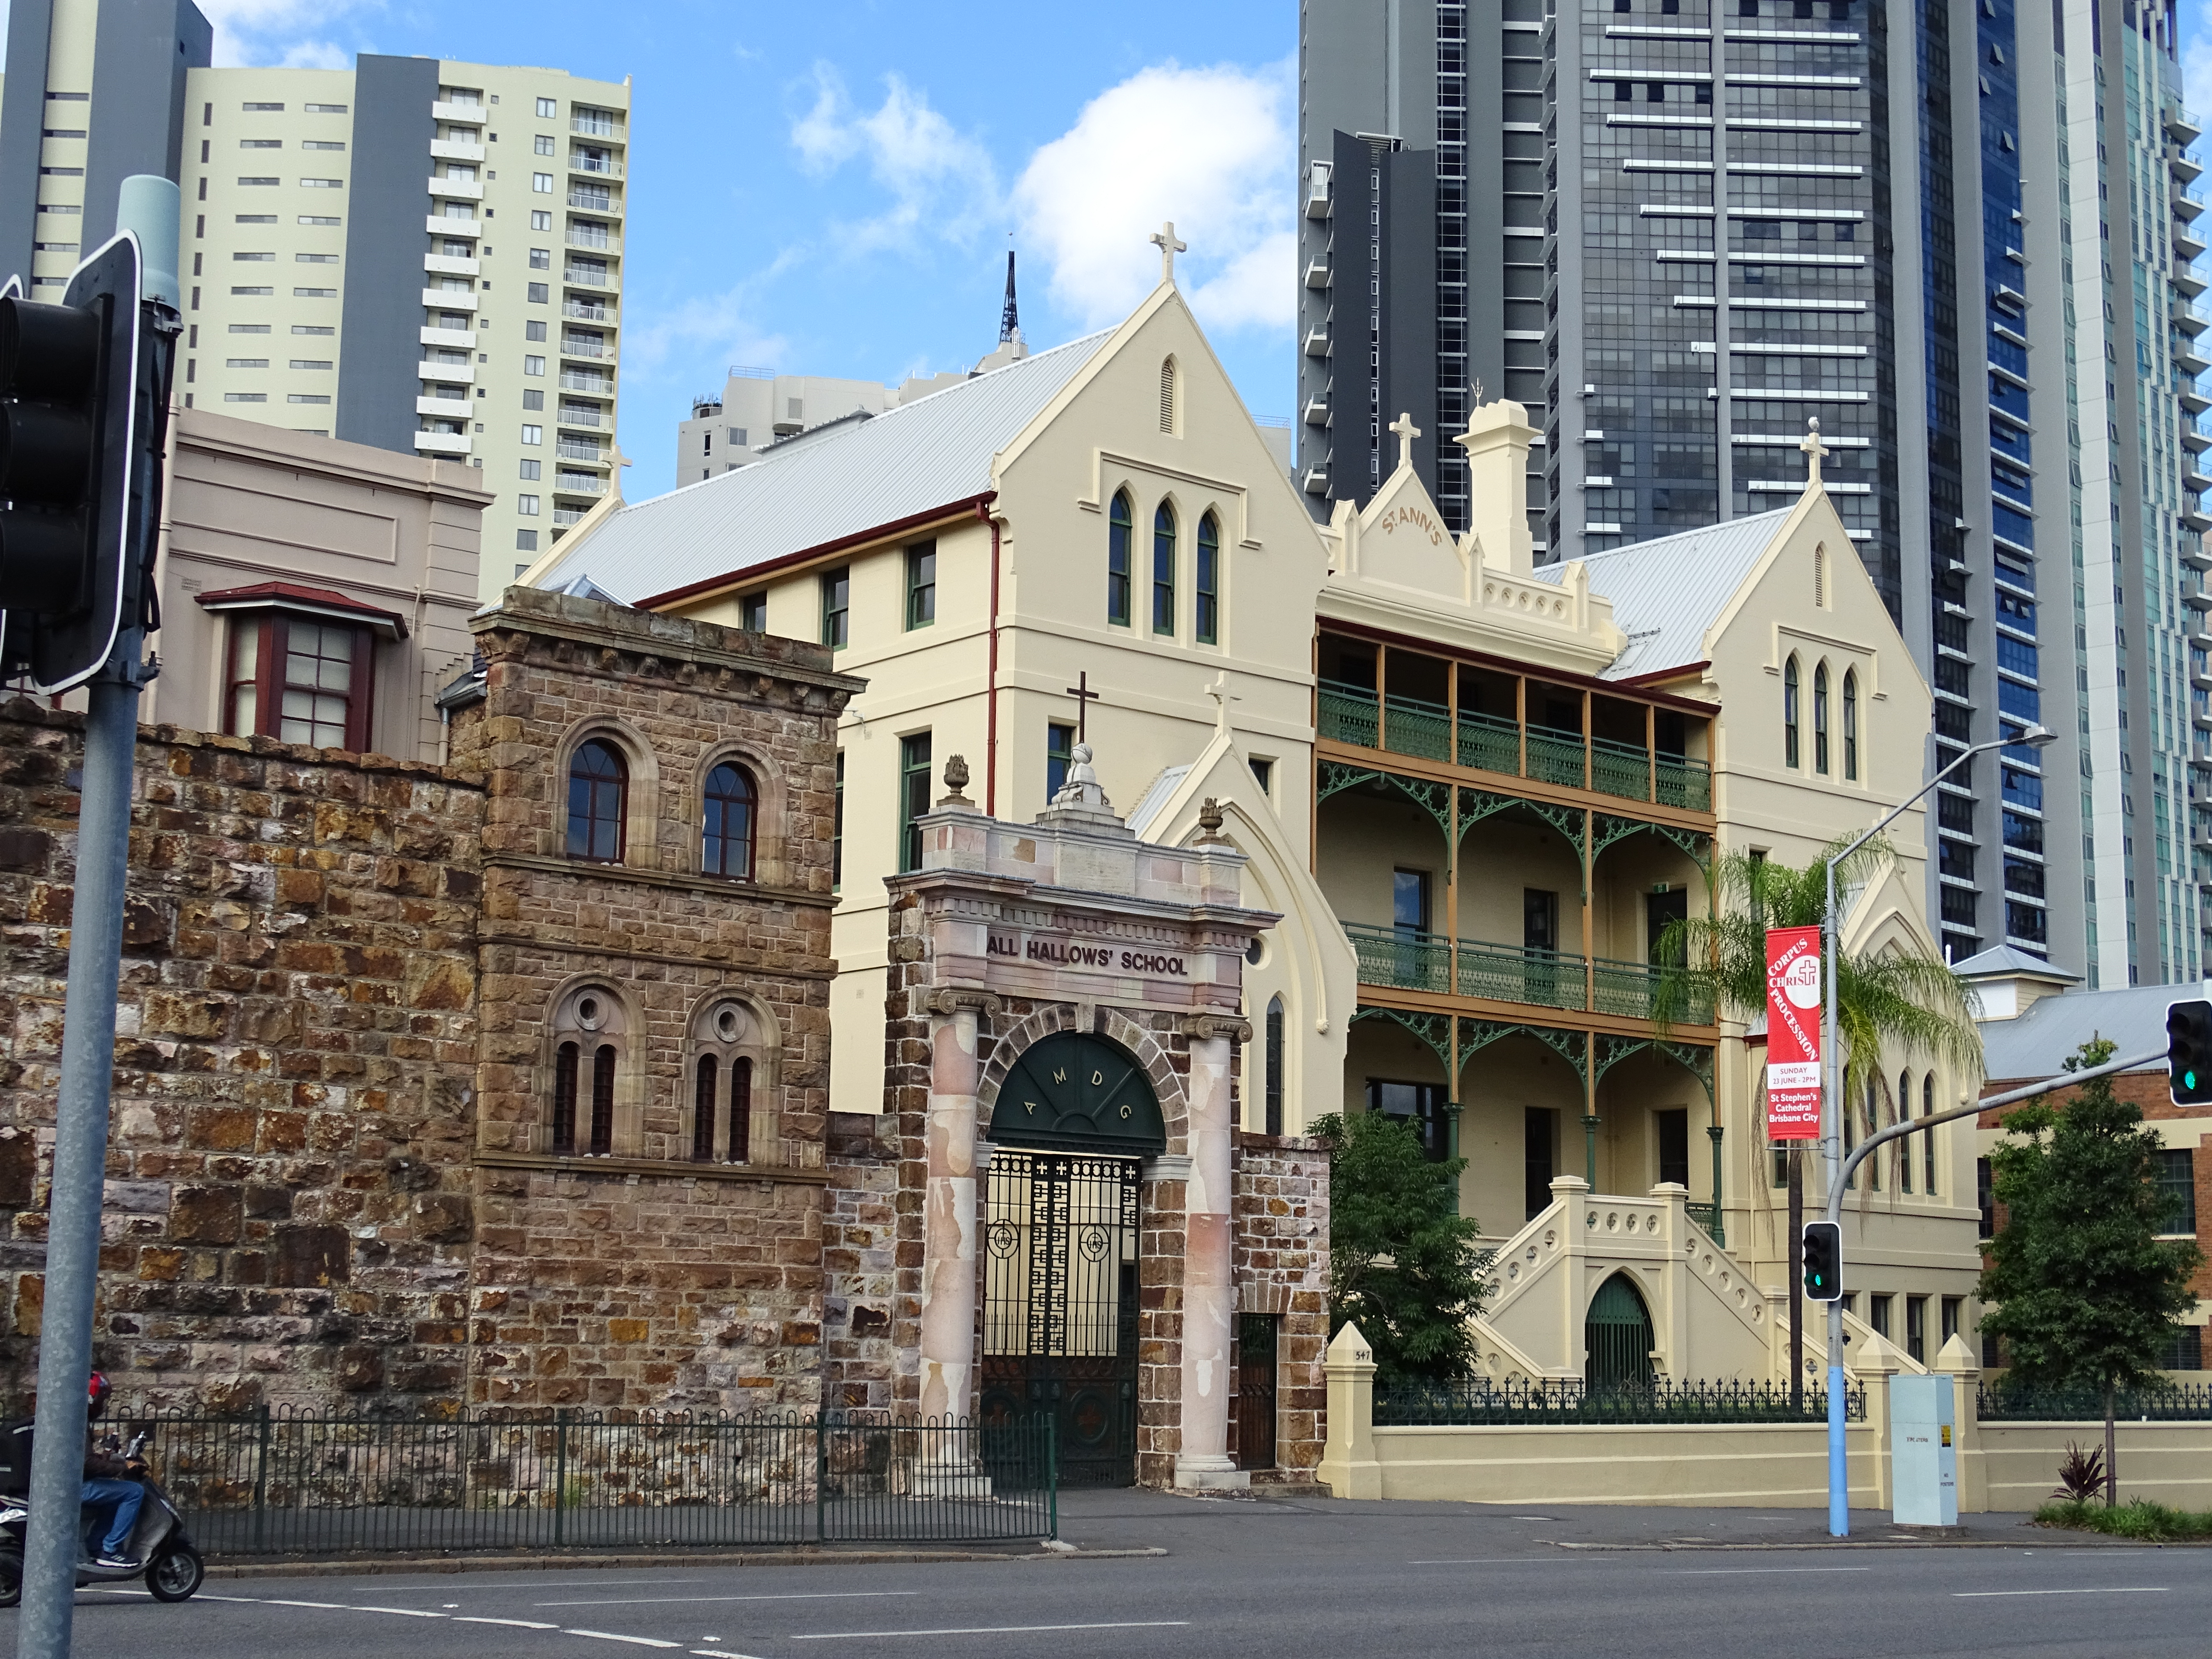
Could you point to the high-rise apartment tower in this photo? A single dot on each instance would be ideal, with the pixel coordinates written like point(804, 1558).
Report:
point(1706, 224)
point(422, 255)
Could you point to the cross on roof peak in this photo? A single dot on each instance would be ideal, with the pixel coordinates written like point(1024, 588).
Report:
point(1407, 431)
point(1164, 240)
point(1813, 448)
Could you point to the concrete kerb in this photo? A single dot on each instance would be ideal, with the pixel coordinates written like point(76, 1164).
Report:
point(385, 1566)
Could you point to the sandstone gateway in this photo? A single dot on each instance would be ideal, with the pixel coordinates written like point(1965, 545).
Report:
point(505, 1082)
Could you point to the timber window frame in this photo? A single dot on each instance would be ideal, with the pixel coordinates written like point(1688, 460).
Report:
point(598, 821)
point(1207, 622)
point(300, 678)
point(730, 822)
point(1121, 538)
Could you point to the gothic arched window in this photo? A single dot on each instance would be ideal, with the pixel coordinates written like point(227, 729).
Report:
point(1274, 1124)
point(1851, 725)
point(1163, 570)
point(1208, 628)
point(731, 818)
point(598, 800)
point(1790, 712)
point(1821, 719)
point(1121, 533)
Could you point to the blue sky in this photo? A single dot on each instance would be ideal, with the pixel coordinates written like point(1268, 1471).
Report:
point(828, 188)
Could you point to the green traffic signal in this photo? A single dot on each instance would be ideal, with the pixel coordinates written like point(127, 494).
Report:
point(2189, 1052)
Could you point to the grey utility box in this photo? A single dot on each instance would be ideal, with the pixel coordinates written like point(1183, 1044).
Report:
point(1923, 1453)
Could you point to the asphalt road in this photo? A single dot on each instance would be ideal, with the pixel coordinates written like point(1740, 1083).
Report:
point(1277, 1580)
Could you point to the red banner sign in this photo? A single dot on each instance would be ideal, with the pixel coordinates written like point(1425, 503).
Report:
point(1793, 1034)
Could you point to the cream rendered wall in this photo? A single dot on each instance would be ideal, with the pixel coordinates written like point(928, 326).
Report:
point(1894, 1243)
point(1053, 482)
point(246, 503)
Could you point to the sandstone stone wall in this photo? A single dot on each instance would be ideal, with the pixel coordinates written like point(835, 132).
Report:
point(1282, 1270)
point(289, 1204)
point(330, 1181)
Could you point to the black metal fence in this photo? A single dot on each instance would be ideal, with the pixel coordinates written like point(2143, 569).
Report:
point(2182, 1402)
point(1570, 1403)
point(275, 1482)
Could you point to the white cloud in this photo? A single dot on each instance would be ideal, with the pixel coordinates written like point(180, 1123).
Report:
point(291, 33)
point(1211, 149)
point(696, 334)
point(938, 178)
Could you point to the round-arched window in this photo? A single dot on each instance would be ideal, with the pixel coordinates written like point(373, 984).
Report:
point(732, 812)
point(598, 797)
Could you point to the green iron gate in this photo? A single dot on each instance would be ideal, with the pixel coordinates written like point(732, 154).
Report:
point(1616, 1337)
point(1059, 1306)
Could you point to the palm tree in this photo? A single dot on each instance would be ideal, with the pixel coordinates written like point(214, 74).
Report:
point(1886, 999)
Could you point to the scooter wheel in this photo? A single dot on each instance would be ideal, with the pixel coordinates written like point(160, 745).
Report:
point(174, 1575)
point(11, 1575)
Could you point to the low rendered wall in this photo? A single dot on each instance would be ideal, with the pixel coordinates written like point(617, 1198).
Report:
point(1775, 1464)
point(2171, 1462)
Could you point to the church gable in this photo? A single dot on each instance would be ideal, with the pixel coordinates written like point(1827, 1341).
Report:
point(1404, 542)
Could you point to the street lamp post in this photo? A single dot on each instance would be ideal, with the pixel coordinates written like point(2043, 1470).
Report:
point(1839, 1491)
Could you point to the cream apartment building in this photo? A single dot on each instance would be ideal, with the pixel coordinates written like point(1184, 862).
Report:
point(418, 254)
point(422, 255)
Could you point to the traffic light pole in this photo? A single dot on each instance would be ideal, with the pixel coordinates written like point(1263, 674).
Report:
point(81, 1119)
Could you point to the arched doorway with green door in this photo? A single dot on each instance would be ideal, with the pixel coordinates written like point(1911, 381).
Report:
point(1616, 1337)
point(1075, 1116)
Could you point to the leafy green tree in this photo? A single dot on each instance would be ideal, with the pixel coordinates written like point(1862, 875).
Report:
point(1888, 1002)
point(2079, 1285)
point(1402, 1261)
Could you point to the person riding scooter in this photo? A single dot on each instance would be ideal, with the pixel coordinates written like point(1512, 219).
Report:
point(110, 1484)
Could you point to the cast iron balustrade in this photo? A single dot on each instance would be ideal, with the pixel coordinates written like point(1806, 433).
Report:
point(1567, 1402)
point(1354, 715)
point(1708, 1216)
point(2178, 1402)
point(1405, 960)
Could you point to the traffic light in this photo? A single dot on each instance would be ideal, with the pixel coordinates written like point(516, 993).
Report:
point(76, 400)
point(2189, 1052)
point(1824, 1261)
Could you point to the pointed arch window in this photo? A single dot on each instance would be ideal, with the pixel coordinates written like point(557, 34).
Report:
point(1851, 725)
point(1208, 620)
point(1275, 1066)
point(598, 800)
point(1163, 570)
point(1928, 1142)
point(1120, 538)
point(1790, 712)
point(732, 814)
point(1821, 719)
point(1904, 1115)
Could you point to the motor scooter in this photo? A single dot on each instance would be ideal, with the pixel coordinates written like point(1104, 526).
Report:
point(166, 1557)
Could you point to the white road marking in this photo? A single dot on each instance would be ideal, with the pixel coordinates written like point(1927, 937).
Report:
point(797, 1595)
point(1511, 1561)
point(406, 1613)
point(987, 1630)
point(518, 1624)
point(1737, 1571)
point(2127, 1589)
point(722, 1652)
point(634, 1641)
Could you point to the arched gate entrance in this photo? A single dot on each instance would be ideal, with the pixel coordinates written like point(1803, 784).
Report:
point(1074, 1117)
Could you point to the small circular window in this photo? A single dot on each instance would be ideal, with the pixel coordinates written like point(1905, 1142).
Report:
point(590, 1012)
point(731, 1024)
point(1256, 953)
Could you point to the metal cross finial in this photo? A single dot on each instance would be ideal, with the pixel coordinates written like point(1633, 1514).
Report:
point(1407, 431)
point(1478, 392)
point(1813, 449)
point(1164, 240)
point(1084, 696)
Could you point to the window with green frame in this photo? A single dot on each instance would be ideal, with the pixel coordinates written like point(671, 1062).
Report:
point(1208, 620)
point(837, 607)
point(1059, 756)
point(837, 828)
point(914, 798)
point(752, 613)
point(921, 584)
point(1120, 533)
point(1163, 570)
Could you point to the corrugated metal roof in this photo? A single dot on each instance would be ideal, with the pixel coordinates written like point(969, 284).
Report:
point(1667, 593)
point(2039, 1042)
point(908, 460)
point(1156, 794)
point(2000, 960)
